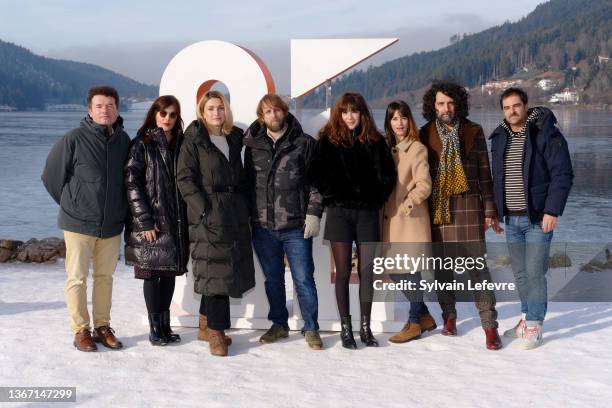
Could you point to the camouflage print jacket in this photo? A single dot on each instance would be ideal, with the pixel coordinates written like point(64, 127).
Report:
point(280, 195)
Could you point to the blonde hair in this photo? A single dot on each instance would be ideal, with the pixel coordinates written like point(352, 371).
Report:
point(226, 129)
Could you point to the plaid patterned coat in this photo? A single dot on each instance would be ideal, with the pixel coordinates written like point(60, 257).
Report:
point(467, 209)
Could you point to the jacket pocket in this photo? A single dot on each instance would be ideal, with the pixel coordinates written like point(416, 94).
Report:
point(538, 196)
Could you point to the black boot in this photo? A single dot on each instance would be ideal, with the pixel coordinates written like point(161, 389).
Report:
point(365, 334)
point(157, 337)
point(346, 333)
point(172, 336)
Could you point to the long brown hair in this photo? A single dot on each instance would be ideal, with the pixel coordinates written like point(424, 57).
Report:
point(160, 104)
point(336, 130)
point(404, 111)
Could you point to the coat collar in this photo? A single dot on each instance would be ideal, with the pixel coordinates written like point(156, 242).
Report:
point(404, 145)
point(468, 131)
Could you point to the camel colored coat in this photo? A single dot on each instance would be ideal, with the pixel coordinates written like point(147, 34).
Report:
point(406, 213)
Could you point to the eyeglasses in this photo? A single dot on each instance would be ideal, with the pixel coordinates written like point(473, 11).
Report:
point(163, 114)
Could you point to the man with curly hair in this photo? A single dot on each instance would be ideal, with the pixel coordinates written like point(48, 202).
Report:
point(461, 202)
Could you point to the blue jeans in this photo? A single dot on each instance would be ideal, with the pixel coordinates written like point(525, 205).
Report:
point(271, 247)
point(529, 249)
point(418, 308)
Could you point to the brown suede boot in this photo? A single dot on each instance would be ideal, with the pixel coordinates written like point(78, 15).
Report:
point(204, 332)
point(217, 343)
point(410, 331)
point(427, 323)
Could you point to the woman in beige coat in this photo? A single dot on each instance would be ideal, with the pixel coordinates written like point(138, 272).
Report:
point(406, 213)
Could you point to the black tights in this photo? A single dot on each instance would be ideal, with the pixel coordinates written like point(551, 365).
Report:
point(158, 293)
point(343, 253)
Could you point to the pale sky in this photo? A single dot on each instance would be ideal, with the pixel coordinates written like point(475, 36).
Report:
point(138, 39)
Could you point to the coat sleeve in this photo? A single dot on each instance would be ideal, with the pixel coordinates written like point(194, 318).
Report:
point(135, 185)
point(559, 164)
point(422, 180)
point(248, 179)
point(316, 169)
point(315, 201)
point(188, 178)
point(485, 182)
point(58, 167)
point(388, 171)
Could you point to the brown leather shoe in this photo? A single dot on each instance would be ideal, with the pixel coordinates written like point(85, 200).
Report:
point(450, 327)
point(84, 342)
point(217, 343)
point(427, 323)
point(410, 331)
point(204, 332)
point(106, 336)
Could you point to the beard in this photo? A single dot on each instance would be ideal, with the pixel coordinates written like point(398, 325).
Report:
point(447, 118)
point(275, 126)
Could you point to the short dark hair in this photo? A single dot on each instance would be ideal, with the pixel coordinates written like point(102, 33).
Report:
point(456, 92)
point(103, 90)
point(513, 91)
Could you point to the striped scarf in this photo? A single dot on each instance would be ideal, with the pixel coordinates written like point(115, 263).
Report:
point(451, 178)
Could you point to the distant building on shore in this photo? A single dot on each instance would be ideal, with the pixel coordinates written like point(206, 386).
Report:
point(567, 96)
point(67, 107)
point(493, 86)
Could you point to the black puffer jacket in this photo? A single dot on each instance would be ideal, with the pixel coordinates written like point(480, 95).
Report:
point(214, 189)
point(361, 176)
point(154, 200)
point(279, 190)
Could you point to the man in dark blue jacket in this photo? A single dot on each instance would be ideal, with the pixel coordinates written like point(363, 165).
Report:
point(84, 175)
point(532, 178)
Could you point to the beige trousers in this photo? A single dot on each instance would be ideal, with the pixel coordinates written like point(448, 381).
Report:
point(81, 250)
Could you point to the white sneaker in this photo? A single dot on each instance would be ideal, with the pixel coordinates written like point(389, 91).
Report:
point(517, 331)
point(532, 336)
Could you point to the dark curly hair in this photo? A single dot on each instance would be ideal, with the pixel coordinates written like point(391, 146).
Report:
point(450, 89)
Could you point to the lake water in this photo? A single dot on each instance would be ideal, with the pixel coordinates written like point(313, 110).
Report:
point(26, 210)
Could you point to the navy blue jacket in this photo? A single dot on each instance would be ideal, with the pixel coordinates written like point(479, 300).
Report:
point(547, 167)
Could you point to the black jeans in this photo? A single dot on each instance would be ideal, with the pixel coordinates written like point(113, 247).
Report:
point(217, 311)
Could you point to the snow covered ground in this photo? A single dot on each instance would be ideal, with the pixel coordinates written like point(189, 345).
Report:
point(572, 367)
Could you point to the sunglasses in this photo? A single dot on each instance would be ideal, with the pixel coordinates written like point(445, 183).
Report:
point(163, 114)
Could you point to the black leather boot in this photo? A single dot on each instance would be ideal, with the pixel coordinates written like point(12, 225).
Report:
point(172, 336)
point(346, 333)
point(157, 337)
point(365, 334)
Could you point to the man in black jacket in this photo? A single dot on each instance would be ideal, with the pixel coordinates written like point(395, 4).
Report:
point(84, 175)
point(285, 213)
point(532, 178)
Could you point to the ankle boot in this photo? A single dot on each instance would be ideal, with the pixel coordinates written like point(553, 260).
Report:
point(172, 336)
point(203, 332)
point(450, 327)
point(217, 343)
point(492, 339)
point(346, 333)
point(157, 337)
point(365, 334)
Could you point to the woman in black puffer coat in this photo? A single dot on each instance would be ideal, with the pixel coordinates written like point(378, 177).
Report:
point(156, 236)
point(212, 181)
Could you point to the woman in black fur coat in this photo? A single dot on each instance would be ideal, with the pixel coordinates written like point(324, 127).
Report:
point(354, 171)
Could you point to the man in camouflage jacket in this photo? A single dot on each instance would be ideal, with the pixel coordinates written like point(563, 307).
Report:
point(285, 213)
